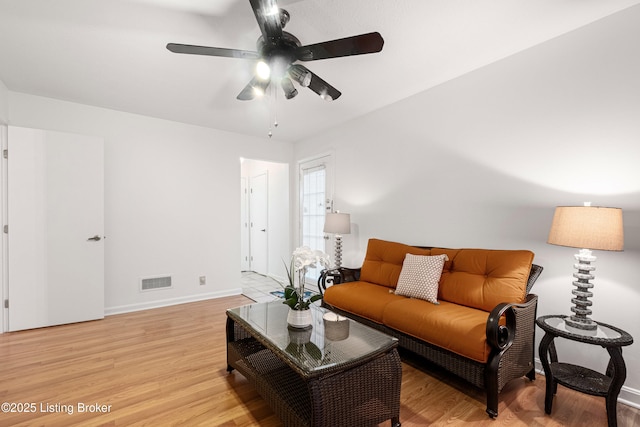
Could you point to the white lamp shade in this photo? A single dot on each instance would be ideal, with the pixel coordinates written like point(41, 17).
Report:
point(337, 223)
point(587, 227)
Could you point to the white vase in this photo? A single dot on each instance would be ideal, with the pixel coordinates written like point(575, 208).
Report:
point(299, 318)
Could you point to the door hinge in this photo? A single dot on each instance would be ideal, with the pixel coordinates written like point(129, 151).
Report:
point(5, 154)
point(6, 303)
point(5, 229)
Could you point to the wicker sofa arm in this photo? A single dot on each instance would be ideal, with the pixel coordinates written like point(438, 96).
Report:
point(499, 336)
point(512, 347)
point(336, 276)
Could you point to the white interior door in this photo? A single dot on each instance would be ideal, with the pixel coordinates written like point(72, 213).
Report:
point(55, 204)
point(259, 227)
point(245, 265)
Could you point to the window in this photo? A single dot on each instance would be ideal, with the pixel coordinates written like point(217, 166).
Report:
point(315, 201)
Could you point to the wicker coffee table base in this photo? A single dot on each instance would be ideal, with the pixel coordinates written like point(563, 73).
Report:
point(361, 394)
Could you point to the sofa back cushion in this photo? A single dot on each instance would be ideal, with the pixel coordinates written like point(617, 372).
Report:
point(483, 278)
point(478, 278)
point(383, 262)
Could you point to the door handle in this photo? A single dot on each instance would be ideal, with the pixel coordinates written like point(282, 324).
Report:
point(264, 229)
point(95, 238)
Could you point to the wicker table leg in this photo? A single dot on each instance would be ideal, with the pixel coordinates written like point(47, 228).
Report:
point(365, 395)
point(618, 368)
point(546, 348)
point(230, 338)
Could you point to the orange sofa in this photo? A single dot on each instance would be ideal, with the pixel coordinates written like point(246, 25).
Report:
point(481, 326)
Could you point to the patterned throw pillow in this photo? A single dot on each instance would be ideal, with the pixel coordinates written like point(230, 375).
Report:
point(420, 276)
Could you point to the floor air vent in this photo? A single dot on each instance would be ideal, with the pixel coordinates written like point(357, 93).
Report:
point(152, 283)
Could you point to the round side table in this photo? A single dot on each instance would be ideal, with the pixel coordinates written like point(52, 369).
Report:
point(577, 377)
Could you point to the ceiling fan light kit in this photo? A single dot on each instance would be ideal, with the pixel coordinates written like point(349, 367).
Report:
point(300, 75)
point(289, 90)
point(263, 71)
point(278, 51)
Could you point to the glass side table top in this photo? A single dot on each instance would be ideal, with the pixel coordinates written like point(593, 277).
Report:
point(332, 340)
point(603, 334)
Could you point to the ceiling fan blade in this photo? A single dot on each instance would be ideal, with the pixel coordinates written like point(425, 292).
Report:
point(252, 89)
point(356, 45)
point(268, 17)
point(212, 51)
point(319, 86)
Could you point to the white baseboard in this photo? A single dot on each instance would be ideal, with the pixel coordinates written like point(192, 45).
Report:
point(109, 311)
point(628, 396)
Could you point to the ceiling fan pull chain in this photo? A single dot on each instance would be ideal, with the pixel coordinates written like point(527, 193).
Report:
point(275, 105)
point(272, 101)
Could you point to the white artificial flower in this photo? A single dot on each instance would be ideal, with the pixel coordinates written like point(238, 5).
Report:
point(301, 259)
point(304, 257)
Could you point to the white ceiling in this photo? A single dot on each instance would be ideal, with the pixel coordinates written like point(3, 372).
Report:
point(111, 53)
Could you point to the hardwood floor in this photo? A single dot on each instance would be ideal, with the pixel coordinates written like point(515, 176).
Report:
point(167, 367)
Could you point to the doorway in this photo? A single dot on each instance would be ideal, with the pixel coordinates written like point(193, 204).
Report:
point(259, 223)
point(265, 217)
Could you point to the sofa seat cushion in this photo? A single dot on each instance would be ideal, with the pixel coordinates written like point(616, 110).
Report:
point(383, 261)
point(363, 299)
point(454, 327)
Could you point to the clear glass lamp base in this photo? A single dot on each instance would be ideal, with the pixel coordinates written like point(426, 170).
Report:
point(584, 324)
point(581, 309)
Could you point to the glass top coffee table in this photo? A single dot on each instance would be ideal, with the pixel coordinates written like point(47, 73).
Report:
point(337, 372)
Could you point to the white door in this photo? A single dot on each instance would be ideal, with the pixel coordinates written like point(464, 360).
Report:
point(259, 227)
point(245, 265)
point(56, 225)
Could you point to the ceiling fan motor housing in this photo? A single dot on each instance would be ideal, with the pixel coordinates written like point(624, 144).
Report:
point(279, 55)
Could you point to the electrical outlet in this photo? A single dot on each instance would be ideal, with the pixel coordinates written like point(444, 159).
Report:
point(203, 280)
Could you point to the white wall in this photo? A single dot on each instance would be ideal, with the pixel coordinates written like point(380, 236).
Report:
point(481, 161)
point(172, 198)
point(279, 224)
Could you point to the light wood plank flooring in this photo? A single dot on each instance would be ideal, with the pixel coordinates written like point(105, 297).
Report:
point(167, 367)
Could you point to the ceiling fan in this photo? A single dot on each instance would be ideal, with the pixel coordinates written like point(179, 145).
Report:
point(278, 51)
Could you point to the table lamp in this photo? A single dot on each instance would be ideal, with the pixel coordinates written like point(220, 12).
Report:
point(338, 223)
point(586, 227)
